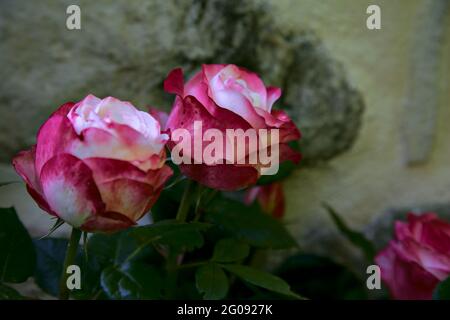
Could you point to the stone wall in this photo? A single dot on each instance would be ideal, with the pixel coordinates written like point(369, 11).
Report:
point(126, 49)
point(374, 179)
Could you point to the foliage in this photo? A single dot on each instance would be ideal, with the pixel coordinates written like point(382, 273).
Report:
point(205, 257)
point(442, 290)
point(355, 237)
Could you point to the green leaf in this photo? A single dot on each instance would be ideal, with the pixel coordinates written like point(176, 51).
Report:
point(50, 261)
point(248, 223)
point(118, 256)
point(442, 290)
point(230, 250)
point(17, 255)
point(261, 279)
point(2, 184)
point(211, 281)
point(355, 237)
point(8, 293)
point(178, 236)
point(113, 248)
point(132, 281)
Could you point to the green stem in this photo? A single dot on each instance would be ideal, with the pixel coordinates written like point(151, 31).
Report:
point(71, 253)
point(183, 209)
point(182, 214)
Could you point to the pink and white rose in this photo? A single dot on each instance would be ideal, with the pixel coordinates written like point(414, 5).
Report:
point(98, 164)
point(225, 97)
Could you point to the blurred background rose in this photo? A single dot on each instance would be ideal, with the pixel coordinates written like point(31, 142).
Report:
point(418, 258)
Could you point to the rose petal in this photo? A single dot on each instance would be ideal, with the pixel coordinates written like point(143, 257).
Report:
point(174, 82)
point(24, 165)
point(70, 189)
point(273, 94)
point(251, 79)
point(125, 188)
point(198, 88)
point(289, 154)
point(107, 222)
point(55, 136)
point(406, 280)
point(128, 145)
point(231, 99)
point(225, 177)
point(288, 130)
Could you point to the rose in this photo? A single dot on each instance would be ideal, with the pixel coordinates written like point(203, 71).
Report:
point(225, 97)
point(270, 197)
point(97, 164)
point(418, 259)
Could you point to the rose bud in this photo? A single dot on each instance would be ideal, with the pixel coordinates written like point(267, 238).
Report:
point(270, 197)
point(223, 98)
point(418, 258)
point(98, 164)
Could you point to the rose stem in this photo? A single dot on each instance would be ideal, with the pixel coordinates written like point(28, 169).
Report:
point(71, 253)
point(183, 209)
point(172, 259)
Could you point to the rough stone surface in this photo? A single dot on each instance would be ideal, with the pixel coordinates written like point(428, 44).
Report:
point(421, 104)
point(126, 48)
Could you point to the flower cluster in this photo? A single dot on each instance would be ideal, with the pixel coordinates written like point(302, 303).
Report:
point(100, 164)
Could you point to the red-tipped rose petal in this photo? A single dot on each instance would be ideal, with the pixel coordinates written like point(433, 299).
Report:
point(289, 154)
point(107, 222)
point(24, 165)
point(288, 130)
point(106, 170)
point(127, 197)
point(406, 280)
point(128, 145)
point(174, 82)
point(273, 94)
point(225, 177)
point(189, 110)
point(230, 99)
point(55, 136)
point(125, 188)
point(198, 88)
point(70, 189)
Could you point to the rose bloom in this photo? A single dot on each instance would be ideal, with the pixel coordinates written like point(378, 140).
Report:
point(98, 164)
point(419, 257)
point(227, 97)
point(270, 197)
